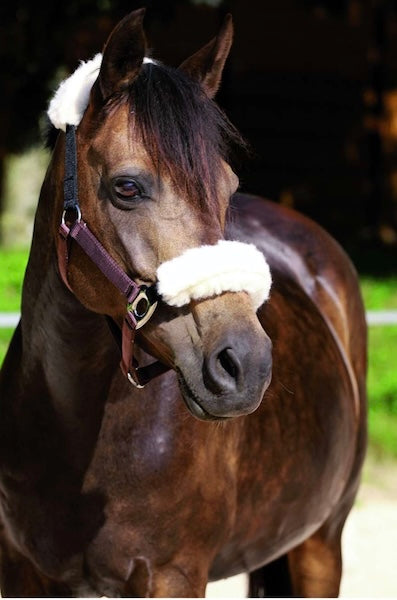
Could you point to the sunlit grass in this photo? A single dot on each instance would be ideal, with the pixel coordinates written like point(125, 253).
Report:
point(382, 388)
point(12, 268)
point(379, 294)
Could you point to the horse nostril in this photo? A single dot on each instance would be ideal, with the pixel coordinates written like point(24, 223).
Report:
point(229, 362)
point(223, 371)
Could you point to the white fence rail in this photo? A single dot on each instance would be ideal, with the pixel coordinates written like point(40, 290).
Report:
point(381, 317)
point(374, 317)
point(8, 320)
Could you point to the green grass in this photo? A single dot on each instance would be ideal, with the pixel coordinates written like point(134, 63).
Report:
point(382, 375)
point(379, 293)
point(382, 389)
point(382, 430)
point(12, 268)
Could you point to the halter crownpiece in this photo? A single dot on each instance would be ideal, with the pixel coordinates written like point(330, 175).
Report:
point(70, 100)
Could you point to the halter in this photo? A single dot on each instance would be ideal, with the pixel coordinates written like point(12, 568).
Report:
point(141, 300)
point(201, 272)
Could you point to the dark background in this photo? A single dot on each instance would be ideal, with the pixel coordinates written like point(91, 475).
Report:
point(311, 84)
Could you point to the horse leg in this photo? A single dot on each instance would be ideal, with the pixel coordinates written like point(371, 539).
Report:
point(316, 567)
point(272, 580)
point(20, 579)
point(312, 569)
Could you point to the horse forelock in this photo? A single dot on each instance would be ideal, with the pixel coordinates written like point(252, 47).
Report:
point(185, 134)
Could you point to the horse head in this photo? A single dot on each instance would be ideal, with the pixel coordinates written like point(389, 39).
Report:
point(154, 188)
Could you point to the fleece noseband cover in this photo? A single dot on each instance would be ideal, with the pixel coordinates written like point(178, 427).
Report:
point(210, 270)
point(199, 272)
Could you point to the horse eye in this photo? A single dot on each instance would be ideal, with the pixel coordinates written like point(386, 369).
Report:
point(126, 188)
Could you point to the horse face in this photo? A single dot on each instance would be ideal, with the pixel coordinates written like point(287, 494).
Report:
point(145, 216)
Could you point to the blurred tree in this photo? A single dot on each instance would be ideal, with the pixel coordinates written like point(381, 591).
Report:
point(306, 83)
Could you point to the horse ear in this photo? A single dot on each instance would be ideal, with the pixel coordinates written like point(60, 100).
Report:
point(123, 54)
point(207, 64)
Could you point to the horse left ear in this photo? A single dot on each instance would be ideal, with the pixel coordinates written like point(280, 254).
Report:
point(123, 54)
point(207, 64)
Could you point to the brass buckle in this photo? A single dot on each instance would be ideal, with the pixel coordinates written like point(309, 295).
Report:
point(141, 308)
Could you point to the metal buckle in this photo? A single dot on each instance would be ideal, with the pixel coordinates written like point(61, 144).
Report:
point(78, 213)
point(141, 308)
point(133, 382)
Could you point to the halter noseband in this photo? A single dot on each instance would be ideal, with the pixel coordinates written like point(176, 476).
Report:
point(141, 300)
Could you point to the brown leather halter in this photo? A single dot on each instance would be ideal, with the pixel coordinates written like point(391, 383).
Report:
point(141, 300)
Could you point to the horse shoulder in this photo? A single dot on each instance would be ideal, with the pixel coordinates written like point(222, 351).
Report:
point(302, 252)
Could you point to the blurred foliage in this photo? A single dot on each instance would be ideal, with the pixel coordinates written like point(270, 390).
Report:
point(335, 7)
point(382, 377)
point(382, 434)
point(379, 293)
point(325, 175)
point(13, 263)
point(382, 389)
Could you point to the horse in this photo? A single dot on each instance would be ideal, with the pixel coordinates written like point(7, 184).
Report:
point(232, 437)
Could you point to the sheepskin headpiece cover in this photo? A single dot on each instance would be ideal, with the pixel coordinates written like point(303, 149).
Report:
point(199, 272)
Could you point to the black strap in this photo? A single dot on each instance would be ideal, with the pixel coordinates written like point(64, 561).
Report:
point(152, 293)
point(136, 375)
point(70, 188)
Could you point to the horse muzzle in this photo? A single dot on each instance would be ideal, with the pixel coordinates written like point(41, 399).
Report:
point(229, 370)
point(233, 377)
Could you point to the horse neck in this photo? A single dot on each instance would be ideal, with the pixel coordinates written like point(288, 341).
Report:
point(70, 343)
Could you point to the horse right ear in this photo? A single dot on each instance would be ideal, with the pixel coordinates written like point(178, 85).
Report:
point(123, 54)
point(207, 64)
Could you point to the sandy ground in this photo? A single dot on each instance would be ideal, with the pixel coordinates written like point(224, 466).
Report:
point(369, 541)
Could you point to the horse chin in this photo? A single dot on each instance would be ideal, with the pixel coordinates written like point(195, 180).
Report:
point(197, 405)
point(199, 412)
point(194, 405)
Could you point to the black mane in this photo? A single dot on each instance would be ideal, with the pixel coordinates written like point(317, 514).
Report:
point(183, 131)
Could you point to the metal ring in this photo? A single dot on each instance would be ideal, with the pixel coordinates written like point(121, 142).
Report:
point(141, 307)
point(141, 317)
point(78, 212)
point(133, 382)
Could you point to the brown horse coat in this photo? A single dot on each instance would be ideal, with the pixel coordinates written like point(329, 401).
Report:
point(110, 490)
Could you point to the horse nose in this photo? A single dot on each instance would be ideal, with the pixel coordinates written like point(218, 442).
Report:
point(236, 371)
point(223, 370)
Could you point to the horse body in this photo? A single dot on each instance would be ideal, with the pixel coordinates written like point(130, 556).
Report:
point(111, 490)
point(121, 469)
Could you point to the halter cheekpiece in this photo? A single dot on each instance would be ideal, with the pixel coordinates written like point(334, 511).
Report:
point(141, 301)
point(198, 273)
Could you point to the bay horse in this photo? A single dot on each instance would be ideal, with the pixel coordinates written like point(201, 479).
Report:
point(212, 451)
